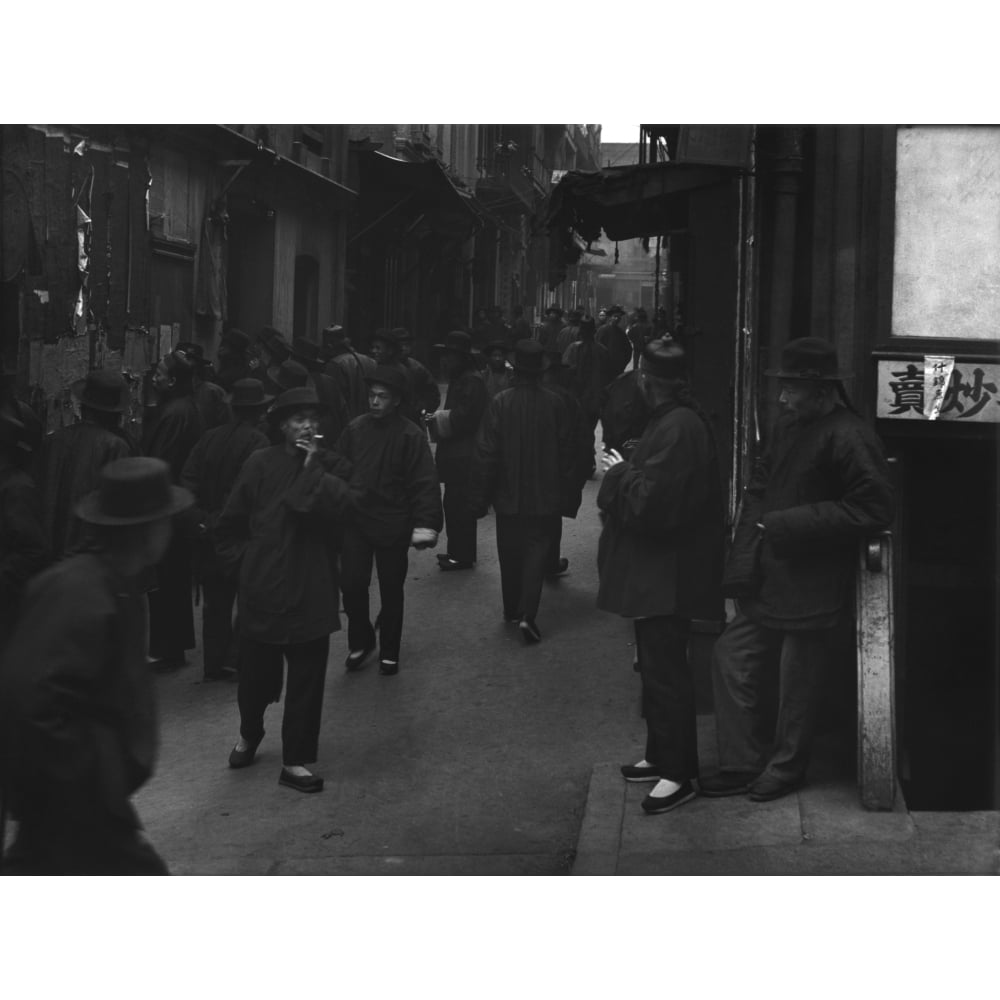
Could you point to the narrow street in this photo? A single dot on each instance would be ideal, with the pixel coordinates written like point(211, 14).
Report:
point(475, 759)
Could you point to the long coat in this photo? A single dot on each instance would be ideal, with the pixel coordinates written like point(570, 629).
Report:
point(819, 489)
point(457, 423)
point(660, 552)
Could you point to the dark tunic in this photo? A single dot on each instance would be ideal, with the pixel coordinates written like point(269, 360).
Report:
point(426, 394)
point(350, 369)
point(615, 339)
point(212, 404)
point(624, 414)
point(394, 486)
point(465, 403)
point(173, 431)
point(22, 540)
point(548, 333)
point(591, 370)
point(660, 552)
point(820, 488)
point(523, 457)
point(272, 533)
point(72, 459)
point(76, 697)
point(581, 449)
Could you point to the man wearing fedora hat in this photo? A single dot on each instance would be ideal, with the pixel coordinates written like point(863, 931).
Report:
point(349, 368)
point(272, 536)
point(209, 475)
point(454, 428)
point(396, 503)
point(660, 560)
point(77, 709)
point(820, 487)
point(169, 433)
point(612, 336)
point(335, 416)
point(523, 467)
point(73, 456)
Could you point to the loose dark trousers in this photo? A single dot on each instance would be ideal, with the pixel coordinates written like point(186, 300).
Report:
point(523, 546)
point(217, 639)
point(555, 546)
point(668, 697)
point(171, 606)
point(745, 658)
point(459, 519)
point(391, 563)
point(260, 684)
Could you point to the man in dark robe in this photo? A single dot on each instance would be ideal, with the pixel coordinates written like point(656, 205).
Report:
point(349, 368)
point(426, 394)
point(77, 709)
point(548, 332)
point(454, 428)
point(209, 396)
point(73, 456)
point(234, 361)
point(335, 416)
point(387, 353)
point(522, 466)
point(590, 370)
point(171, 431)
point(396, 503)
point(614, 339)
point(209, 474)
point(659, 560)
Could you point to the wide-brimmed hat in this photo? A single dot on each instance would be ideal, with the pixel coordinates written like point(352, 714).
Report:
point(133, 491)
point(458, 341)
point(529, 357)
point(402, 335)
point(306, 353)
point(303, 398)
point(663, 358)
point(335, 334)
point(101, 390)
point(288, 375)
point(554, 309)
point(392, 378)
point(810, 358)
point(248, 394)
point(275, 343)
point(236, 340)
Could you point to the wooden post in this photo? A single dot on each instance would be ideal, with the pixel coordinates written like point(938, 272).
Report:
point(876, 669)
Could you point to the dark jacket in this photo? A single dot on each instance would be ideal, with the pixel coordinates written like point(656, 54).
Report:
point(394, 486)
point(612, 337)
point(273, 533)
point(465, 403)
point(426, 394)
point(350, 369)
point(76, 696)
point(590, 371)
point(660, 552)
point(72, 459)
point(624, 414)
point(172, 431)
point(523, 462)
point(582, 458)
point(23, 551)
point(820, 488)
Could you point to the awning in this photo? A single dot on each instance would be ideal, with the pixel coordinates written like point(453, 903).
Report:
point(391, 186)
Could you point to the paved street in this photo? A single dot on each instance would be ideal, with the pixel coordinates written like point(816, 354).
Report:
point(475, 759)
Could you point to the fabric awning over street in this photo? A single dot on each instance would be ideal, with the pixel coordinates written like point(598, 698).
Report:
point(389, 184)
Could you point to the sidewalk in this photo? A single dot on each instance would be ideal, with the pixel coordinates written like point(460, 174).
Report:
point(819, 830)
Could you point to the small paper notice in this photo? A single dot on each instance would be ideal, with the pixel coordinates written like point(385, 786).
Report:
point(938, 370)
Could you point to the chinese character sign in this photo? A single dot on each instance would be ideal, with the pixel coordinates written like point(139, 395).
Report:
point(942, 388)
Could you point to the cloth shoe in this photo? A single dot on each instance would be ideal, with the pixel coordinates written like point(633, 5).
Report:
point(637, 772)
point(301, 783)
point(447, 564)
point(388, 667)
point(768, 787)
point(559, 569)
point(529, 631)
point(244, 758)
point(356, 658)
point(664, 803)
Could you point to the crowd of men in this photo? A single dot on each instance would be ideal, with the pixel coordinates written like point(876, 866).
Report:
point(269, 486)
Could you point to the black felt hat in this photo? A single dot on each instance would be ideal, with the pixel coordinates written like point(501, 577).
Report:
point(303, 398)
point(809, 358)
point(101, 390)
point(248, 394)
point(133, 491)
point(392, 378)
point(457, 341)
point(529, 357)
point(663, 358)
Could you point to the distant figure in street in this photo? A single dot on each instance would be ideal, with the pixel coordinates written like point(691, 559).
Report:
point(209, 396)
point(613, 338)
point(522, 465)
point(349, 368)
point(387, 352)
point(520, 328)
point(548, 332)
point(77, 709)
point(660, 561)
point(234, 359)
point(499, 374)
point(396, 503)
point(821, 486)
point(624, 413)
point(171, 431)
point(23, 548)
point(272, 535)
point(336, 414)
point(209, 475)
point(571, 331)
point(426, 394)
point(590, 370)
point(454, 428)
point(73, 457)
point(639, 333)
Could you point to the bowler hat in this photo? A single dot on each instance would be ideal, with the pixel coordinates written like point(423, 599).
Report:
point(288, 375)
point(306, 353)
point(248, 394)
point(334, 335)
point(809, 358)
point(275, 343)
point(402, 335)
point(529, 357)
point(101, 390)
point(663, 358)
point(236, 340)
point(457, 341)
point(133, 491)
point(392, 378)
point(302, 398)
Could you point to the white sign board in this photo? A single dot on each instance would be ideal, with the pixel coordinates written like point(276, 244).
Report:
point(936, 388)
